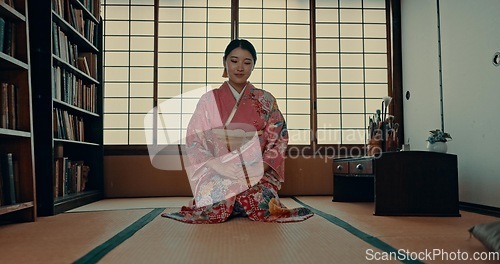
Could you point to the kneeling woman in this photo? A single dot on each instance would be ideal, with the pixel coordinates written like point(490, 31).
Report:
point(235, 147)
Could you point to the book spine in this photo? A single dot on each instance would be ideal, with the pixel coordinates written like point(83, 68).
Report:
point(12, 106)
point(2, 33)
point(4, 105)
point(8, 179)
point(2, 201)
point(56, 177)
point(66, 170)
point(7, 45)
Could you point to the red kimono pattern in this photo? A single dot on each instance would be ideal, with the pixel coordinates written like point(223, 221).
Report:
point(219, 197)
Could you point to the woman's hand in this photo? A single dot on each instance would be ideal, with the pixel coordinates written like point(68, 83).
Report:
point(235, 171)
point(255, 170)
point(229, 170)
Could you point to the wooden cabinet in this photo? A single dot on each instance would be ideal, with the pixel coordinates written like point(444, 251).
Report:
point(17, 182)
point(353, 180)
point(400, 183)
point(67, 98)
point(416, 183)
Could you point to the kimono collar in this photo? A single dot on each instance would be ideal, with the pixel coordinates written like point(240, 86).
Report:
point(235, 93)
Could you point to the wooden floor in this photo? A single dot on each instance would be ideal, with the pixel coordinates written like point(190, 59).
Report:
point(132, 231)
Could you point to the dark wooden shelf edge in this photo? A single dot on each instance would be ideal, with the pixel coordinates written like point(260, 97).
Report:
point(14, 133)
point(79, 72)
point(12, 63)
point(75, 142)
point(11, 13)
point(15, 207)
point(76, 200)
point(76, 108)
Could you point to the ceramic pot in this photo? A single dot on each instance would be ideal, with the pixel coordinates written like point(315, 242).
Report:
point(437, 147)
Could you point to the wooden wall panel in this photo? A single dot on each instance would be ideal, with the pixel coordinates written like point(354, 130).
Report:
point(134, 176)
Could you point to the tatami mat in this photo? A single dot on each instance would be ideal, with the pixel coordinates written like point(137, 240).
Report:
point(132, 231)
point(62, 238)
point(240, 240)
point(133, 203)
point(415, 234)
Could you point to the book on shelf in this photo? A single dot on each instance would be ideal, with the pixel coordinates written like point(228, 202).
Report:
point(91, 59)
point(59, 175)
point(70, 176)
point(56, 123)
point(83, 65)
point(8, 178)
point(77, 20)
point(75, 16)
point(69, 88)
point(56, 177)
point(4, 105)
point(57, 6)
point(9, 3)
point(93, 6)
point(9, 38)
point(2, 202)
point(8, 105)
point(2, 32)
point(89, 31)
point(66, 12)
point(68, 52)
point(55, 40)
point(17, 184)
point(68, 126)
point(62, 47)
point(12, 106)
point(83, 176)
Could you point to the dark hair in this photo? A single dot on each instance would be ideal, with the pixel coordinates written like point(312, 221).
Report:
point(241, 43)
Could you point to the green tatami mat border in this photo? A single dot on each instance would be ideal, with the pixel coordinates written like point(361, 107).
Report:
point(356, 232)
point(99, 252)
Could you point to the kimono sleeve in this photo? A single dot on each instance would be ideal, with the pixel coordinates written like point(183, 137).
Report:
point(198, 148)
point(276, 138)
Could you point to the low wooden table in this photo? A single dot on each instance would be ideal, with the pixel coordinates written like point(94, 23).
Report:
point(419, 183)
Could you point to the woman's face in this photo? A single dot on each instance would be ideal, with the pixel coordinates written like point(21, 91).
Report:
point(239, 64)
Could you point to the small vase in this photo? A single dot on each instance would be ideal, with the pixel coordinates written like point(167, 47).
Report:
point(437, 147)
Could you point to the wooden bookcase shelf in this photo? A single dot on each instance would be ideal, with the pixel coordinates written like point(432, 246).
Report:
point(15, 207)
point(17, 178)
point(10, 133)
point(66, 141)
point(10, 63)
point(61, 104)
point(72, 68)
point(68, 98)
point(9, 12)
point(62, 204)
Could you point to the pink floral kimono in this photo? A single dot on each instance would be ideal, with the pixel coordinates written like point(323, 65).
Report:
point(216, 197)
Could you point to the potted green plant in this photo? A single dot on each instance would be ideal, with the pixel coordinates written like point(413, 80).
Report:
point(437, 141)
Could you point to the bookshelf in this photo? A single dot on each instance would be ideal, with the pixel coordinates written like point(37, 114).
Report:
point(17, 180)
point(67, 88)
